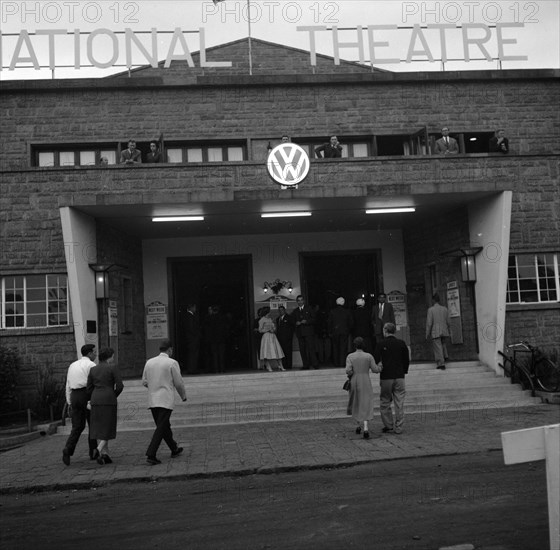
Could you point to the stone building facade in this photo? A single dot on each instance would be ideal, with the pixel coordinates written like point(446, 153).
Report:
point(62, 212)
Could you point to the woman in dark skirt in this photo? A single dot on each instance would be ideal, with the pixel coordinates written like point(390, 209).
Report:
point(103, 387)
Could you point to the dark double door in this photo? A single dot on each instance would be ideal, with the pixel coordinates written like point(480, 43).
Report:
point(227, 282)
point(224, 282)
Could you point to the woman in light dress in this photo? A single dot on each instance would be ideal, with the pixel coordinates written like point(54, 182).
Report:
point(358, 366)
point(271, 351)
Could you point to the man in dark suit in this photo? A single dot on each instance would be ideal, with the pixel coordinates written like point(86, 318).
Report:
point(499, 143)
point(285, 335)
point(393, 354)
point(304, 319)
point(362, 324)
point(381, 314)
point(446, 145)
point(131, 155)
point(192, 334)
point(218, 328)
point(330, 150)
point(340, 326)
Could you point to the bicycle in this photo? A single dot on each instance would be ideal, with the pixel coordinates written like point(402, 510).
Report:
point(534, 372)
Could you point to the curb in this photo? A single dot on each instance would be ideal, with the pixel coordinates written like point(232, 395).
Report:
point(261, 470)
point(15, 441)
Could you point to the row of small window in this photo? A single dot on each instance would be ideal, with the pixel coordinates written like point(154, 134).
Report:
point(419, 143)
point(35, 301)
point(533, 278)
point(173, 154)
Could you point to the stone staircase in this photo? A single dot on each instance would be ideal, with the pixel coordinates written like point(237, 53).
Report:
point(260, 396)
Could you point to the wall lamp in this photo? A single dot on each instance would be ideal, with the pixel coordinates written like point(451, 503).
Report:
point(102, 278)
point(466, 257)
point(277, 285)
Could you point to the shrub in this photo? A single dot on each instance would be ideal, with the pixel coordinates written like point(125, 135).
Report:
point(10, 365)
point(50, 392)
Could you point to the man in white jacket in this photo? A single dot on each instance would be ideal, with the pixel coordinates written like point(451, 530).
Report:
point(438, 330)
point(162, 376)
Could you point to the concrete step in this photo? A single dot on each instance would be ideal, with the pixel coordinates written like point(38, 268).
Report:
point(286, 412)
point(258, 396)
point(316, 375)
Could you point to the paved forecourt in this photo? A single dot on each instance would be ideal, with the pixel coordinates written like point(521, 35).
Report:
point(266, 447)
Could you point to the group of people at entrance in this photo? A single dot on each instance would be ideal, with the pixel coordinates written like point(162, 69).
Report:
point(322, 338)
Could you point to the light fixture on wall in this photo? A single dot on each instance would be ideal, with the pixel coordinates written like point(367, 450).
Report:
point(277, 285)
point(468, 266)
point(102, 278)
point(466, 255)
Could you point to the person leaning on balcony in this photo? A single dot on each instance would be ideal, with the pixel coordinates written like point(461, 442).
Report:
point(154, 156)
point(330, 150)
point(499, 143)
point(131, 155)
point(446, 145)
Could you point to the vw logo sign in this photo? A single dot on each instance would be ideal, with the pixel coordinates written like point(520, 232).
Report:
point(288, 164)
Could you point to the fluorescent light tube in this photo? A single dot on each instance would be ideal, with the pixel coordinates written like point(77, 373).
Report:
point(390, 210)
point(179, 219)
point(285, 214)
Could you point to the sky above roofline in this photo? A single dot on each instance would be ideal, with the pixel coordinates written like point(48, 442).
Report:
point(401, 35)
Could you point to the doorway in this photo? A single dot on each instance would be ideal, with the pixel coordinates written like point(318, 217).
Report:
point(350, 274)
point(223, 281)
point(328, 276)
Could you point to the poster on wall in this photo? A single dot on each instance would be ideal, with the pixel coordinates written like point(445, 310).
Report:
point(453, 300)
point(398, 301)
point(454, 309)
point(156, 321)
point(113, 321)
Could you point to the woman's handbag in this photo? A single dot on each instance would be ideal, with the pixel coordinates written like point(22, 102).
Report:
point(346, 385)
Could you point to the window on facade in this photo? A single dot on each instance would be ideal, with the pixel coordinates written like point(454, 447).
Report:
point(533, 278)
point(45, 158)
point(79, 156)
point(469, 142)
point(351, 147)
point(415, 143)
point(34, 301)
point(211, 152)
point(477, 142)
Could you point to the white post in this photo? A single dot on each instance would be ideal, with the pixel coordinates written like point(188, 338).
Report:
point(542, 443)
point(250, 45)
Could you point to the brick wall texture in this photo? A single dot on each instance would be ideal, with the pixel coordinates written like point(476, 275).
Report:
point(185, 104)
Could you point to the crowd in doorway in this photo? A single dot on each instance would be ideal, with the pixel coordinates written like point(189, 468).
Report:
point(324, 337)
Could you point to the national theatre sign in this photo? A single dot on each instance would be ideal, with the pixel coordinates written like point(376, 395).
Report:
point(105, 48)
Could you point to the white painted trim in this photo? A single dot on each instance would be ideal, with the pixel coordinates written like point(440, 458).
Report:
point(80, 249)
